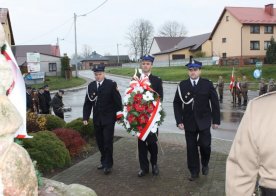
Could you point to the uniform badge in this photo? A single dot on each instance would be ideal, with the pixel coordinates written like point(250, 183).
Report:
point(185, 97)
point(188, 93)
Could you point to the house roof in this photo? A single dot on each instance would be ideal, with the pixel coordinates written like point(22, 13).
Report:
point(21, 50)
point(165, 43)
point(193, 42)
point(95, 57)
point(248, 15)
point(4, 15)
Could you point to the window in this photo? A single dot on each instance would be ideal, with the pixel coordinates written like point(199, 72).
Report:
point(227, 18)
point(268, 29)
point(178, 56)
point(52, 67)
point(224, 40)
point(253, 60)
point(224, 55)
point(266, 44)
point(90, 65)
point(254, 45)
point(255, 29)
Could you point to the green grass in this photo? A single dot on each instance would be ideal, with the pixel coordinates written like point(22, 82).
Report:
point(210, 72)
point(56, 83)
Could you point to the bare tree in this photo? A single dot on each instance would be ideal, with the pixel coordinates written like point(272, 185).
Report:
point(172, 29)
point(140, 37)
point(86, 50)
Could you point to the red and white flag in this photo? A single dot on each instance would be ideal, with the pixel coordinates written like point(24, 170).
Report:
point(232, 80)
point(17, 91)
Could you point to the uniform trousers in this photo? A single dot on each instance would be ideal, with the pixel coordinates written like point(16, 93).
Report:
point(104, 138)
point(198, 139)
point(150, 144)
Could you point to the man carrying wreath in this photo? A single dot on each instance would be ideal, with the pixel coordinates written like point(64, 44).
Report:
point(150, 143)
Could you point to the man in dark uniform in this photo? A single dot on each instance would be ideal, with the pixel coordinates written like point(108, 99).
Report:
point(47, 98)
point(29, 98)
point(57, 104)
point(42, 101)
point(104, 97)
point(220, 86)
point(196, 107)
point(244, 90)
point(150, 144)
point(262, 87)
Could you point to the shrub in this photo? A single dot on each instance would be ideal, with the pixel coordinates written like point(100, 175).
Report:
point(49, 151)
point(35, 122)
point(53, 122)
point(72, 140)
point(86, 131)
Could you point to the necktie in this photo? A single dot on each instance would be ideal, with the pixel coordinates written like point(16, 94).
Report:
point(99, 85)
point(194, 83)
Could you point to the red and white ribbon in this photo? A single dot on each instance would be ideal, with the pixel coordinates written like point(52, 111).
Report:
point(151, 123)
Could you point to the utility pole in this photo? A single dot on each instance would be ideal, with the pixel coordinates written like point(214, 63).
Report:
point(118, 58)
point(76, 51)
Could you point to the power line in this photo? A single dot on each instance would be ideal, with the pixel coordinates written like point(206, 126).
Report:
point(94, 9)
point(66, 35)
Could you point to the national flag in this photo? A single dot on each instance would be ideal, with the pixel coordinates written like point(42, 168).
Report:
point(17, 91)
point(232, 80)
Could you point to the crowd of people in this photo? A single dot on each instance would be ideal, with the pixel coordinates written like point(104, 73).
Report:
point(239, 89)
point(40, 101)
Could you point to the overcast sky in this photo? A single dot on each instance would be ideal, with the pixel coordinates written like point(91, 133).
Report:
point(42, 21)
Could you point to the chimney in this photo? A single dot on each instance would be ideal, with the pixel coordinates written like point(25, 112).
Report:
point(269, 9)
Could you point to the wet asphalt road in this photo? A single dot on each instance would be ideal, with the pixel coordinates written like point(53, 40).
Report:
point(230, 115)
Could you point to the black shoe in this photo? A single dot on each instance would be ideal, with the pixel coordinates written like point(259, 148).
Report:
point(194, 177)
point(142, 173)
point(205, 170)
point(155, 170)
point(107, 171)
point(100, 166)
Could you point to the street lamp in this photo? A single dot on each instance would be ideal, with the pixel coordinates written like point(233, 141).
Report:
point(76, 50)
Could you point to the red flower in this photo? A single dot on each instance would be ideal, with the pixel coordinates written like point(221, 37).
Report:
point(131, 118)
point(139, 107)
point(138, 97)
point(140, 128)
point(150, 108)
point(129, 108)
point(143, 119)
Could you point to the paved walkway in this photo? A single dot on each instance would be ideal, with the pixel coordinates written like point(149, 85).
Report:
point(173, 178)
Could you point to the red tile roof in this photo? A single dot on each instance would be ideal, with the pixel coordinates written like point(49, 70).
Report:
point(250, 15)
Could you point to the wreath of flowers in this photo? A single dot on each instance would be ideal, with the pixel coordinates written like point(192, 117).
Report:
point(142, 110)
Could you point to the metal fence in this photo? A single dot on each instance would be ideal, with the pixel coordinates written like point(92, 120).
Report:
point(175, 63)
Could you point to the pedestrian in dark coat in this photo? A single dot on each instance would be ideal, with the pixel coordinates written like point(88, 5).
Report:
point(48, 98)
point(29, 99)
point(42, 101)
point(104, 98)
point(196, 108)
point(57, 104)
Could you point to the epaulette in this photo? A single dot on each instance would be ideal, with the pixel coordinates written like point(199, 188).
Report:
point(264, 95)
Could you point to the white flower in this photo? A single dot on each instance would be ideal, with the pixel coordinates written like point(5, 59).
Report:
point(126, 124)
point(148, 96)
point(138, 89)
point(154, 128)
point(126, 99)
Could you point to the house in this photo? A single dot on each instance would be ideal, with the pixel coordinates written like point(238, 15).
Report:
point(198, 45)
point(242, 34)
point(160, 44)
point(49, 57)
point(6, 22)
point(93, 60)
